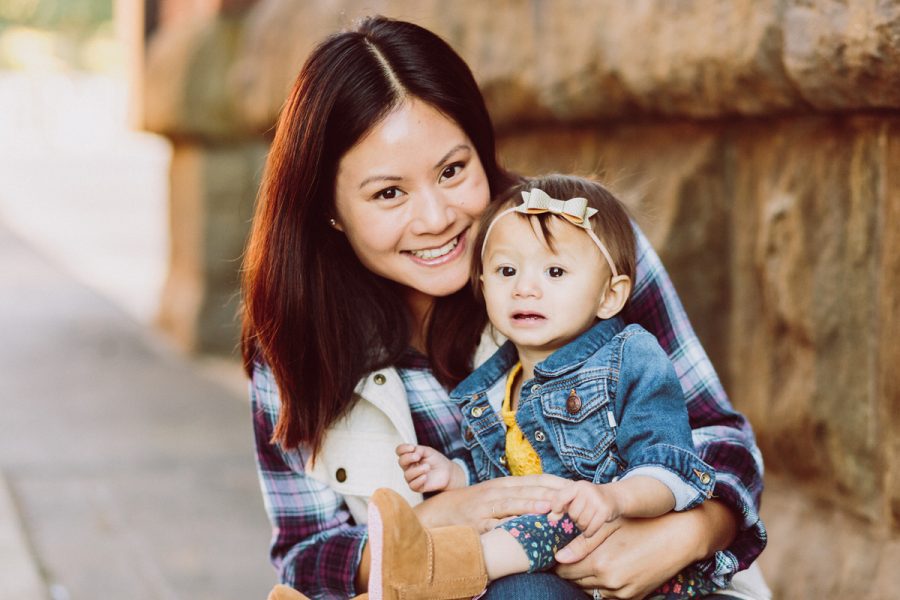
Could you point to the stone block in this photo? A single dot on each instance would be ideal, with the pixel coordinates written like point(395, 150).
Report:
point(573, 61)
point(817, 550)
point(886, 287)
point(807, 243)
point(212, 196)
point(189, 90)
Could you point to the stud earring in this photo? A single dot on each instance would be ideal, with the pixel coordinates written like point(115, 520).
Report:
point(333, 223)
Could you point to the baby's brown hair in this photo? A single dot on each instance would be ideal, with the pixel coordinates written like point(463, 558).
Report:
point(611, 223)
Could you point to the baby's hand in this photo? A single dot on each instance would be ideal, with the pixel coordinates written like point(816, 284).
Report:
point(590, 505)
point(427, 470)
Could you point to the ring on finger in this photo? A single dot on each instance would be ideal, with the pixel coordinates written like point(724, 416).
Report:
point(597, 594)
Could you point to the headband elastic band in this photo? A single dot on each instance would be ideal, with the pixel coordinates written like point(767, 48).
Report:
point(575, 211)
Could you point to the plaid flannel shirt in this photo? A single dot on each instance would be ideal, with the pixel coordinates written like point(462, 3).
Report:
point(316, 546)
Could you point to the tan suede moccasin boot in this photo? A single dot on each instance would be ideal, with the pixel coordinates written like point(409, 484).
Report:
point(283, 592)
point(410, 562)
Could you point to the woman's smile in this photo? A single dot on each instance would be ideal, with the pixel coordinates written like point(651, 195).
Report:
point(452, 250)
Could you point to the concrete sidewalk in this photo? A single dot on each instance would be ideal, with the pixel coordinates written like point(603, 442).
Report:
point(129, 469)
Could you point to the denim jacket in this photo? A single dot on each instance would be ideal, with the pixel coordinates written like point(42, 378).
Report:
point(606, 406)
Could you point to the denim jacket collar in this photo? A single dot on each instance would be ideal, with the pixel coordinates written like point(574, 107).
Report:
point(575, 353)
point(568, 358)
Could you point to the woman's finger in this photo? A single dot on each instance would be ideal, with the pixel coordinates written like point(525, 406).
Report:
point(550, 482)
point(583, 545)
point(513, 507)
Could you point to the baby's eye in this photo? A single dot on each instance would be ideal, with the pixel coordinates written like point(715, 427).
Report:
point(556, 272)
point(391, 193)
point(451, 171)
point(507, 271)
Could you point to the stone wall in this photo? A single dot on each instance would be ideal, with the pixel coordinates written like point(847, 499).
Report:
point(757, 143)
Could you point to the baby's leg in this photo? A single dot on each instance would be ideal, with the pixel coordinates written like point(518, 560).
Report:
point(525, 544)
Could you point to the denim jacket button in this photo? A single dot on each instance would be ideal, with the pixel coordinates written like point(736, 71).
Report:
point(573, 403)
point(477, 411)
point(468, 434)
point(379, 379)
point(535, 389)
point(703, 477)
point(539, 435)
point(503, 459)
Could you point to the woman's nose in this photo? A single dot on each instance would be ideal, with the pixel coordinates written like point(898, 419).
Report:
point(433, 214)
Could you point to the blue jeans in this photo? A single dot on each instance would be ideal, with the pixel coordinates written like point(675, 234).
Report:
point(534, 586)
point(542, 586)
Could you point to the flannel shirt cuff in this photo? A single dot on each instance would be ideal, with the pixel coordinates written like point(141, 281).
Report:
point(750, 541)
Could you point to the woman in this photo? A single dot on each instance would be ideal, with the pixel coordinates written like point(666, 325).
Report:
point(357, 320)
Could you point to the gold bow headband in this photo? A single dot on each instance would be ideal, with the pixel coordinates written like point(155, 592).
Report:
point(575, 211)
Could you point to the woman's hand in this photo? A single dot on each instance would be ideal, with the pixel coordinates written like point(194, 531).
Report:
point(485, 504)
point(642, 554)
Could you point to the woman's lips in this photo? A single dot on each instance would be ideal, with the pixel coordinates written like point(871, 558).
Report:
point(432, 257)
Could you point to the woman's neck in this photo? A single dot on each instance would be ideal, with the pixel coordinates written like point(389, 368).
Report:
point(419, 305)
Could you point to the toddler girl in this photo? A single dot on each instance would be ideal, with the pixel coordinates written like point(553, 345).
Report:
point(573, 392)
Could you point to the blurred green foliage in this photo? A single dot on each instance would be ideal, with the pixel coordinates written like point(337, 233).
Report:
point(74, 16)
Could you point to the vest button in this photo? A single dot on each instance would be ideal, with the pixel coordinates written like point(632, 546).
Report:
point(573, 403)
point(477, 411)
point(379, 379)
point(539, 435)
point(469, 435)
point(341, 475)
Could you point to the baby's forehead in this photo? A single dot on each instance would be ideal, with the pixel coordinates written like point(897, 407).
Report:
point(524, 234)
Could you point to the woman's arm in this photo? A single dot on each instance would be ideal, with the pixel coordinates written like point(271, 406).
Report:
point(484, 504)
point(642, 554)
point(315, 548)
point(723, 438)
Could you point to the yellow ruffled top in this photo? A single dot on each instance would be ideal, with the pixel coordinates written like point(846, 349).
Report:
point(520, 455)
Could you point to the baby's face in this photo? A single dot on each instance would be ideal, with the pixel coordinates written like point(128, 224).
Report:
point(539, 298)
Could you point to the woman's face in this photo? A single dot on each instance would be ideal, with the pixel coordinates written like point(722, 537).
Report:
point(407, 195)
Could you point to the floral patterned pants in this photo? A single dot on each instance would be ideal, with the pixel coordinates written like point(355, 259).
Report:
point(541, 537)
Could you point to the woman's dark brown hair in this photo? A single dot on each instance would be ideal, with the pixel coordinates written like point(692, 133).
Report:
point(311, 312)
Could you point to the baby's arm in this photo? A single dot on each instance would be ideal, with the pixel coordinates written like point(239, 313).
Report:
point(427, 470)
point(591, 505)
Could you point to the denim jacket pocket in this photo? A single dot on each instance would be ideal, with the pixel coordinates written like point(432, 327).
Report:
point(582, 422)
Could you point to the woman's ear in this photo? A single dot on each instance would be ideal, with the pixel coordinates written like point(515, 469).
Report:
point(615, 297)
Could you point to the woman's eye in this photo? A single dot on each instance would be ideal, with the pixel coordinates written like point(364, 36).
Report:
point(555, 271)
point(451, 171)
point(390, 193)
point(507, 271)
